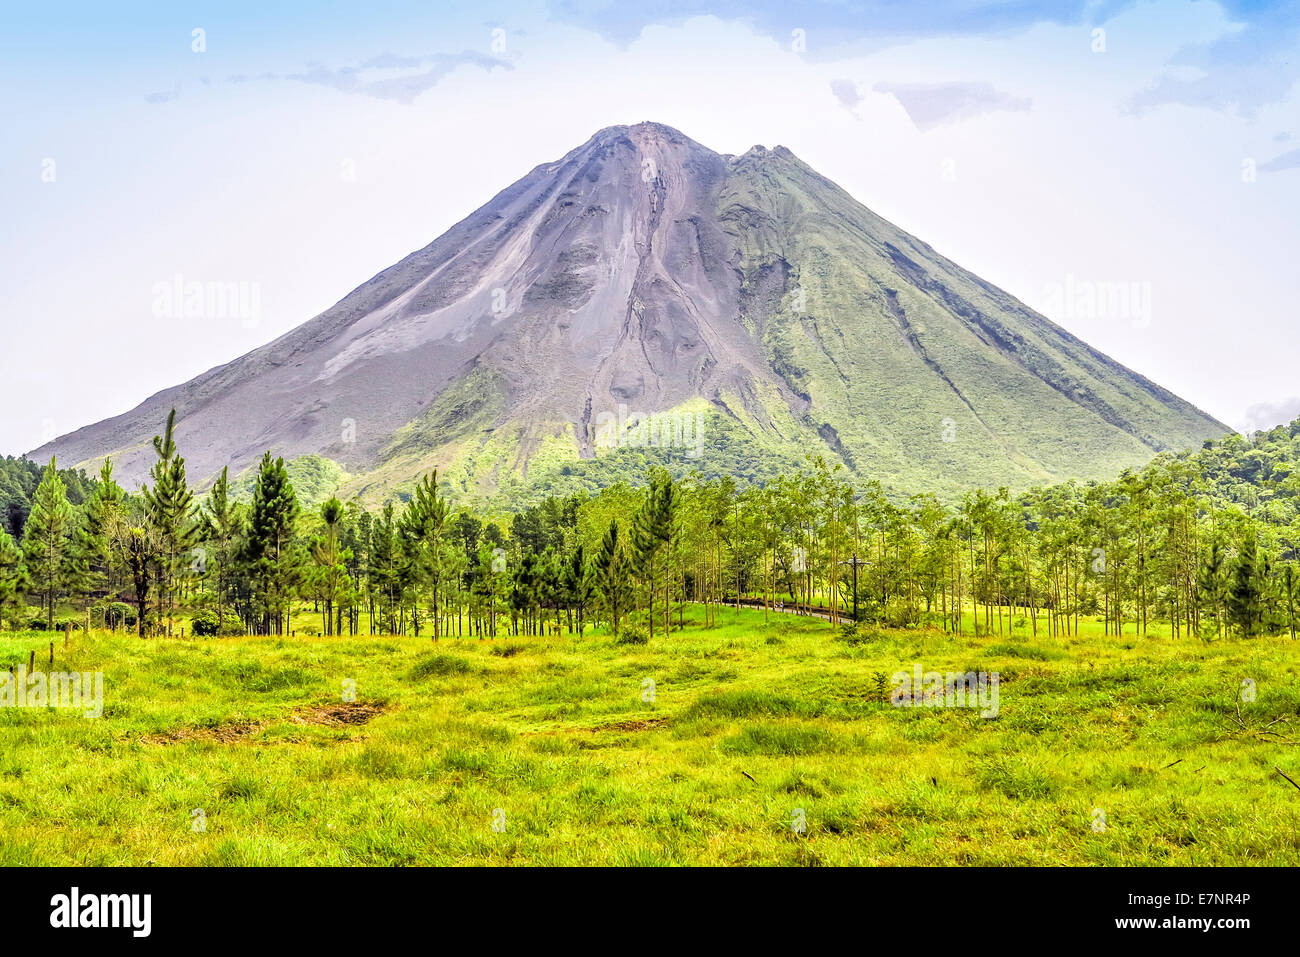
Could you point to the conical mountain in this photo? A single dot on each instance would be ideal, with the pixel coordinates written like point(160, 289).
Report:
point(760, 309)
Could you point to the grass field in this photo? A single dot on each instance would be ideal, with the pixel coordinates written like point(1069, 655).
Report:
point(752, 723)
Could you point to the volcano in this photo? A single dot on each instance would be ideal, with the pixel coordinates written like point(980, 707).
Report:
point(641, 278)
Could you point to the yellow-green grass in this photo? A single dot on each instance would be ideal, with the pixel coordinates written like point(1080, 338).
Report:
point(751, 722)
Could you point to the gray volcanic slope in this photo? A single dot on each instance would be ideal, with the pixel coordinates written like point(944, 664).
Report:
point(647, 271)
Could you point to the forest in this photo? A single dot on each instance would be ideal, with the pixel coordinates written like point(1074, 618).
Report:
point(1203, 544)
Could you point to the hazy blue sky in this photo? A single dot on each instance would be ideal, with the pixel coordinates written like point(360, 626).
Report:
point(299, 151)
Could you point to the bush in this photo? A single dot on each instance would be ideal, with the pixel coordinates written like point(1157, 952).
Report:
point(631, 635)
point(119, 613)
point(206, 625)
point(861, 633)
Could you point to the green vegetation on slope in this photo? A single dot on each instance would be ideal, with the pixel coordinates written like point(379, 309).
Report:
point(919, 374)
point(314, 477)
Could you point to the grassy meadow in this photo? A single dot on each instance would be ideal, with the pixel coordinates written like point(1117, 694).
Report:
point(542, 751)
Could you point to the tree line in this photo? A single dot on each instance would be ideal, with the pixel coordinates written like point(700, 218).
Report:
point(1185, 542)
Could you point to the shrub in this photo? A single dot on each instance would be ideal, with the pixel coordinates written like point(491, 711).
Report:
point(119, 613)
point(861, 633)
point(631, 635)
point(206, 625)
point(881, 687)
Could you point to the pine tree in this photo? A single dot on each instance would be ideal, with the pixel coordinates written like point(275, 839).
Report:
point(92, 544)
point(169, 511)
point(524, 593)
point(550, 587)
point(13, 579)
point(387, 568)
point(221, 523)
point(328, 578)
point(486, 587)
point(653, 534)
point(1210, 585)
point(47, 545)
point(613, 572)
point(271, 553)
point(1290, 592)
point(1244, 591)
point(578, 585)
point(424, 523)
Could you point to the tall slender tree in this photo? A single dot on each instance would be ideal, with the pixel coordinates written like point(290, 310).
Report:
point(274, 561)
point(13, 579)
point(47, 541)
point(221, 521)
point(328, 580)
point(613, 571)
point(93, 552)
point(169, 508)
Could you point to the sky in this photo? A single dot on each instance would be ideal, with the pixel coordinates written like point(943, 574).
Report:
point(1130, 169)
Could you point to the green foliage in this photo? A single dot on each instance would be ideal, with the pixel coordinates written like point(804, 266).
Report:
point(19, 478)
point(47, 541)
point(440, 666)
point(13, 580)
point(1160, 545)
point(613, 573)
point(271, 549)
point(632, 635)
point(315, 478)
point(169, 511)
point(206, 624)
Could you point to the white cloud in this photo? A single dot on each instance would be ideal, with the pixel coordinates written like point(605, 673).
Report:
point(846, 91)
point(1288, 160)
point(1266, 415)
point(931, 105)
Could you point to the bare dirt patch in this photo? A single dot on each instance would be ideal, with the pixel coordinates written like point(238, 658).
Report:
point(647, 724)
point(230, 732)
point(644, 724)
point(337, 715)
point(226, 733)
